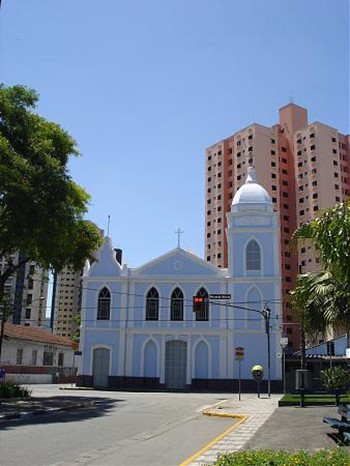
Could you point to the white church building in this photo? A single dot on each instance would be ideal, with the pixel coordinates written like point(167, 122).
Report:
point(138, 327)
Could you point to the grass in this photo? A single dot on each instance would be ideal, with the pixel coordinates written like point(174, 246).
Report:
point(313, 399)
point(284, 458)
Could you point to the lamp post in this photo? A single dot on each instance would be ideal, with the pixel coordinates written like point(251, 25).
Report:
point(283, 344)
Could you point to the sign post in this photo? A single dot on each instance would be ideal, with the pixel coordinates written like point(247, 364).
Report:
point(239, 352)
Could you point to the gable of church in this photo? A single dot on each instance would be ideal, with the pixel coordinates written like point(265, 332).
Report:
point(178, 262)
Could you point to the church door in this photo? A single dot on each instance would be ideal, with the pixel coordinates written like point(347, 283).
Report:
point(100, 370)
point(175, 364)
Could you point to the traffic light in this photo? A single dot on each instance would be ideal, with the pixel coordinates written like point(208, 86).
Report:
point(199, 304)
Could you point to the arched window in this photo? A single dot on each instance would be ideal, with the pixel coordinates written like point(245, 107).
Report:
point(177, 305)
point(152, 305)
point(253, 256)
point(104, 304)
point(203, 315)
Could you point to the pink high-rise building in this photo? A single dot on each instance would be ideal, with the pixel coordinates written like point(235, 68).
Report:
point(303, 166)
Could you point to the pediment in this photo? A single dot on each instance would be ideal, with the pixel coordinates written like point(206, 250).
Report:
point(178, 263)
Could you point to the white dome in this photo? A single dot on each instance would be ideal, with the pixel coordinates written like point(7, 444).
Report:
point(251, 196)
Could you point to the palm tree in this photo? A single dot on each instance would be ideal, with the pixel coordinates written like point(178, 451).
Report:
point(308, 306)
point(322, 298)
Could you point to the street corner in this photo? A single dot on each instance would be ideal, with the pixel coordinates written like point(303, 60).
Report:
point(224, 409)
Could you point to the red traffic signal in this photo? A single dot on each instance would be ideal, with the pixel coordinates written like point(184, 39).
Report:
point(199, 304)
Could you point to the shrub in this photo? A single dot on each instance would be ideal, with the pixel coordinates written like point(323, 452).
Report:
point(10, 389)
point(335, 378)
point(284, 458)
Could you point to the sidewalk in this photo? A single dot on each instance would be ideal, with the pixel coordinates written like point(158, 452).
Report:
point(264, 425)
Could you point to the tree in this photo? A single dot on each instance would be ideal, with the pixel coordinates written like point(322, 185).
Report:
point(323, 298)
point(330, 235)
point(41, 207)
point(306, 306)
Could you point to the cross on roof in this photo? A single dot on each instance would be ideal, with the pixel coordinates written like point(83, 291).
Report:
point(178, 232)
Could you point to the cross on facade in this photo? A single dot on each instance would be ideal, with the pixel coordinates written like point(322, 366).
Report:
point(179, 233)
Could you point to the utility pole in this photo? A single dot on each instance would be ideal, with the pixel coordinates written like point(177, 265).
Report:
point(266, 314)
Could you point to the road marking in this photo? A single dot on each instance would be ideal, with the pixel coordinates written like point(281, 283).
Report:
point(219, 437)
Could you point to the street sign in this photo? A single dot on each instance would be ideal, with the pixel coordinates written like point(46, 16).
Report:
point(239, 352)
point(219, 296)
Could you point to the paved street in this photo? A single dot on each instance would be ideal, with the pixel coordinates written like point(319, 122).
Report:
point(131, 428)
point(125, 428)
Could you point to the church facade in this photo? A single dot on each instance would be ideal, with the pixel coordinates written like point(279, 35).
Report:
point(138, 327)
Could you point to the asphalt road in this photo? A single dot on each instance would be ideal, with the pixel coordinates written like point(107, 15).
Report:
point(124, 428)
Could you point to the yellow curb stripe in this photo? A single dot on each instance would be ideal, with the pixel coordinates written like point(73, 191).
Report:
point(218, 438)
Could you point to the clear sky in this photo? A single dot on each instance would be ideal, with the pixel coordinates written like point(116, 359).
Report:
point(145, 86)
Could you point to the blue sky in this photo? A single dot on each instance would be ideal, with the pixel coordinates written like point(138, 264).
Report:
point(145, 86)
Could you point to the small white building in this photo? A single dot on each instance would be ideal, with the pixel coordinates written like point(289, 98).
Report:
point(35, 355)
point(138, 328)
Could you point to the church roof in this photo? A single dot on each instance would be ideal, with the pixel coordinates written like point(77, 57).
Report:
point(251, 196)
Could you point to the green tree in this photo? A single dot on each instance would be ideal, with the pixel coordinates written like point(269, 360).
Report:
point(330, 235)
point(323, 298)
point(41, 207)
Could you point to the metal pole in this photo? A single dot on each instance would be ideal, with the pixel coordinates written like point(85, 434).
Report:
point(239, 380)
point(268, 361)
point(2, 331)
point(266, 314)
point(284, 370)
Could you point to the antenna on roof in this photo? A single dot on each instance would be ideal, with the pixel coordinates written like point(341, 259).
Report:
point(291, 98)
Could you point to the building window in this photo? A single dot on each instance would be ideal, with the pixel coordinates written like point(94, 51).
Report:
point(273, 164)
point(28, 313)
point(104, 304)
point(203, 315)
point(283, 149)
point(152, 305)
point(19, 356)
point(34, 357)
point(253, 256)
point(48, 358)
point(177, 305)
point(60, 359)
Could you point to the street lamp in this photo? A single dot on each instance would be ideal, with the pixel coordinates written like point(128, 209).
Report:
point(283, 344)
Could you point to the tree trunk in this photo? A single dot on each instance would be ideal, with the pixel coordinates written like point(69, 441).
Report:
point(303, 348)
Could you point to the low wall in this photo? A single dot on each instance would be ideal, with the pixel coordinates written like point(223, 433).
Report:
point(24, 379)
